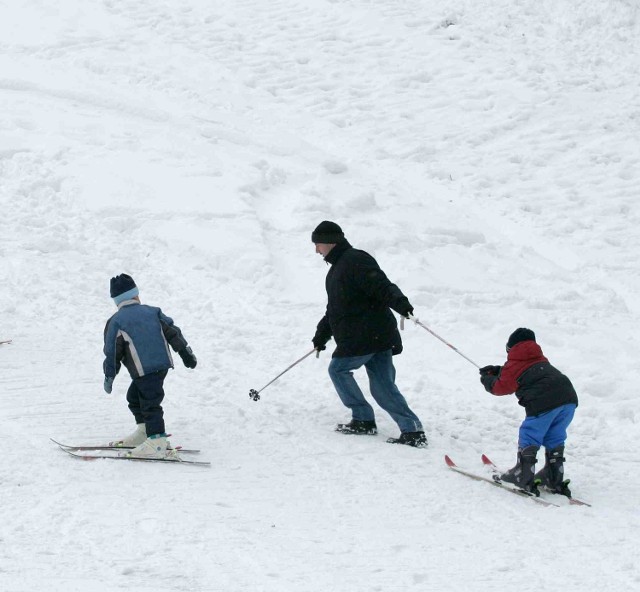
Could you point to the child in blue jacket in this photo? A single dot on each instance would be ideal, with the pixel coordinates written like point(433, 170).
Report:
point(139, 337)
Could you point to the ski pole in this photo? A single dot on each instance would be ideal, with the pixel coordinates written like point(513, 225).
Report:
point(417, 322)
point(255, 395)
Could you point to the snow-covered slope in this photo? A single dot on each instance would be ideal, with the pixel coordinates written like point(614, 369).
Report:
point(486, 153)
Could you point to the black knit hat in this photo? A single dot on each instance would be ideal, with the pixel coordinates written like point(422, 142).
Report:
point(519, 335)
point(327, 233)
point(123, 288)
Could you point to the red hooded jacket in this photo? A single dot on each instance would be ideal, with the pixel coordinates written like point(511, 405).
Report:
point(520, 357)
point(538, 386)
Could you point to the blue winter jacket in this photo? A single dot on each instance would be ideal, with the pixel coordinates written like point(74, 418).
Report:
point(139, 336)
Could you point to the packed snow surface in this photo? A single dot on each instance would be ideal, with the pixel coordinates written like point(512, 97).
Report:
point(485, 152)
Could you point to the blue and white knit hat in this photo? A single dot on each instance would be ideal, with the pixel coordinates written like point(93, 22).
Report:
point(123, 288)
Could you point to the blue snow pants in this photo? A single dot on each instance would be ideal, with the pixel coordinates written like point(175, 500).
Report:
point(549, 429)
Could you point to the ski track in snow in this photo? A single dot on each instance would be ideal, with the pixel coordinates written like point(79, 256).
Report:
point(485, 152)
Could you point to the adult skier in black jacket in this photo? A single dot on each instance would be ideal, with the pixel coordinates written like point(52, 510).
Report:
point(366, 334)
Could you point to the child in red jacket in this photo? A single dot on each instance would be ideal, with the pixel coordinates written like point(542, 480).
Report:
point(549, 400)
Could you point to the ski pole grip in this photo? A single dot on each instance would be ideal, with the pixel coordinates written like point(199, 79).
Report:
point(410, 318)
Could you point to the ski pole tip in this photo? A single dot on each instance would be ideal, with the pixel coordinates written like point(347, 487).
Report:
point(253, 394)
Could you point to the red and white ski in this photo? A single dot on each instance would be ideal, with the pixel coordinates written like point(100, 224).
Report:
point(504, 486)
point(489, 463)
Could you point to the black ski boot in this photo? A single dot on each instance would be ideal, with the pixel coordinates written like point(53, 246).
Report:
point(415, 439)
point(551, 476)
point(358, 427)
point(522, 475)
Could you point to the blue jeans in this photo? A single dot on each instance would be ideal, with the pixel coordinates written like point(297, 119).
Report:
point(548, 429)
point(382, 377)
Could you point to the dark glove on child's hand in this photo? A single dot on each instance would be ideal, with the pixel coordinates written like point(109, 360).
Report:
point(108, 385)
point(490, 370)
point(188, 358)
point(488, 381)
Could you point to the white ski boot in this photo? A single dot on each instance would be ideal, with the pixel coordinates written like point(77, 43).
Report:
point(156, 446)
point(135, 438)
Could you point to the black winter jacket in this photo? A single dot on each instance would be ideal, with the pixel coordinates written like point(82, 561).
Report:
point(359, 297)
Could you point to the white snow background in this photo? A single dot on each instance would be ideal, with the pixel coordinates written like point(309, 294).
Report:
point(485, 152)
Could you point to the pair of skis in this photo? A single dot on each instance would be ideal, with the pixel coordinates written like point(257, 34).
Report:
point(78, 452)
point(493, 479)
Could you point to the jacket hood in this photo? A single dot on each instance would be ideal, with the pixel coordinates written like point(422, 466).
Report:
point(526, 351)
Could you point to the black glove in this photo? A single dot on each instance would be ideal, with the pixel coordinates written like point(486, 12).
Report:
point(108, 384)
point(188, 359)
point(405, 309)
point(490, 370)
point(488, 381)
point(319, 343)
